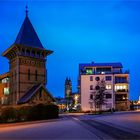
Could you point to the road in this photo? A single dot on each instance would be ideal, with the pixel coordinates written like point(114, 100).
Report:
point(125, 125)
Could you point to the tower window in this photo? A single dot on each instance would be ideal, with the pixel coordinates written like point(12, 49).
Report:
point(23, 52)
point(40, 94)
point(28, 74)
point(38, 54)
point(15, 75)
point(36, 75)
point(33, 53)
point(27, 52)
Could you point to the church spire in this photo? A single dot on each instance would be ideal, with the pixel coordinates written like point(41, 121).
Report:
point(26, 11)
point(27, 35)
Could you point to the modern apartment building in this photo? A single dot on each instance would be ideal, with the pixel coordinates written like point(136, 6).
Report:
point(116, 85)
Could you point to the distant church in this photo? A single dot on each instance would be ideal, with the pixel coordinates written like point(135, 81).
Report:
point(68, 88)
point(27, 74)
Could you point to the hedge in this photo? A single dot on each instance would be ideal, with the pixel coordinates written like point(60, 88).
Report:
point(28, 113)
point(8, 114)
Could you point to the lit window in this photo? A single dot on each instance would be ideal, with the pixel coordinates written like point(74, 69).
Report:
point(108, 87)
point(120, 87)
point(5, 80)
point(89, 71)
point(124, 87)
point(6, 91)
point(102, 72)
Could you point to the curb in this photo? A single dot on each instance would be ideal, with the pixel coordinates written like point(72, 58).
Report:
point(27, 123)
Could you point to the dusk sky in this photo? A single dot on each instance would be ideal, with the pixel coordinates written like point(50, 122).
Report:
point(78, 31)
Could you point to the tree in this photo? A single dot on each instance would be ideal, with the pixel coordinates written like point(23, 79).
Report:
point(68, 99)
point(98, 97)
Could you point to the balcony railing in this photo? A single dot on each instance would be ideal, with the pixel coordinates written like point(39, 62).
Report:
point(122, 90)
point(121, 81)
point(83, 72)
point(121, 99)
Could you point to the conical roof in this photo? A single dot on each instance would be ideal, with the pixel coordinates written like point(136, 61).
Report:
point(27, 35)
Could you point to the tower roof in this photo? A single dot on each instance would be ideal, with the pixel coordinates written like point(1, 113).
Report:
point(27, 35)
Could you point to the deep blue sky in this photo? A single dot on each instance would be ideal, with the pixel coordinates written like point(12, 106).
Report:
point(78, 32)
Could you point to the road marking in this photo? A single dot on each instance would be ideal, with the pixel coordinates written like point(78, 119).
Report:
point(75, 119)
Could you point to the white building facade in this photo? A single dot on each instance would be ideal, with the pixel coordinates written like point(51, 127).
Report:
point(116, 85)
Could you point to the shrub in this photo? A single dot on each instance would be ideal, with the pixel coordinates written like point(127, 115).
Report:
point(51, 111)
point(36, 112)
point(23, 113)
point(8, 114)
point(29, 113)
point(41, 111)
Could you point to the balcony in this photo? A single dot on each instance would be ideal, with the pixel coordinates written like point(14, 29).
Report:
point(122, 97)
point(121, 81)
point(90, 71)
point(122, 90)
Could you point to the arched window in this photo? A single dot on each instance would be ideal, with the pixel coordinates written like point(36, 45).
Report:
point(28, 74)
point(38, 54)
point(36, 75)
point(33, 53)
point(28, 52)
point(15, 75)
point(40, 94)
point(23, 51)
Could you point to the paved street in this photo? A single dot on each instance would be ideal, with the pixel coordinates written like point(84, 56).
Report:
point(125, 125)
point(63, 129)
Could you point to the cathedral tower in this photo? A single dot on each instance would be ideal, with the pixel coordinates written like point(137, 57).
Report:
point(68, 88)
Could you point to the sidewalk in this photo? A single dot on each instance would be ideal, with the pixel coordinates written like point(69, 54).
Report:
point(26, 123)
